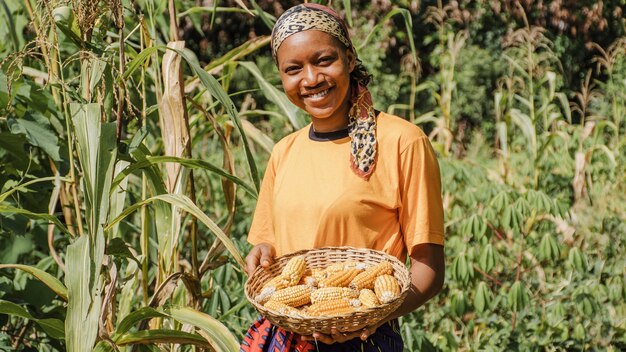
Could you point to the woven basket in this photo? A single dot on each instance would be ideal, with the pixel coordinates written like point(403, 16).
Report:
point(321, 258)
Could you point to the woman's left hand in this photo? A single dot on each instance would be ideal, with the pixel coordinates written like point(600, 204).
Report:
point(336, 336)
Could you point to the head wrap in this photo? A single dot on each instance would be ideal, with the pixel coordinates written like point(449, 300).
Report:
point(362, 118)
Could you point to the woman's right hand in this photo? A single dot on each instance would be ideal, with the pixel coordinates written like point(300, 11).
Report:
point(262, 254)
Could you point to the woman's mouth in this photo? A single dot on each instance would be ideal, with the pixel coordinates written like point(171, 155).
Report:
point(319, 94)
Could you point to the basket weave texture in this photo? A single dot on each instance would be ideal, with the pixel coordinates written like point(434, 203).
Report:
point(321, 258)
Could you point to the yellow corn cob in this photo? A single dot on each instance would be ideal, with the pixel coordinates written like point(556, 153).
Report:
point(293, 296)
point(368, 298)
point(341, 306)
point(319, 274)
point(342, 266)
point(294, 270)
point(332, 294)
point(340, 278)
point(308, 280)
point(281, 307)
point(386, 288)
point(275, 284)
point(366, 278)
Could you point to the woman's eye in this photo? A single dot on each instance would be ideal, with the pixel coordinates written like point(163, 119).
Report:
point(325, 59)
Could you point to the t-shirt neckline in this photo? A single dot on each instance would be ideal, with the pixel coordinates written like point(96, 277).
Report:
point(327, 136)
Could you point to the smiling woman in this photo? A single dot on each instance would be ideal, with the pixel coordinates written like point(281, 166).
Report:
point(353, 177)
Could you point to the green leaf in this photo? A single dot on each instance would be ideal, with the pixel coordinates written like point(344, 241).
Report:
point(53, 327)
point(103, 346)
point(49, 280)
point(161, 336)
point(214, 87)
point(84, 297)
point(548, 247)
point(38, 132)
point(406, 15)
point(458, 303)
point(577, 260)
point(97, 150)
point(11, 26)
point(192, 163)
point(482, 297)
point(138, 61)
point(348, 10)
point(187, 205)
point(220, 338)
point(134, 317)
point(7, 209)
point(487, 258)
point(276, 96)
point(23, 186)
point(117, 247)
point(518, 296)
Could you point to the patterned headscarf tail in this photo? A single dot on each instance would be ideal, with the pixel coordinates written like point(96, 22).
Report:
point(362, 125)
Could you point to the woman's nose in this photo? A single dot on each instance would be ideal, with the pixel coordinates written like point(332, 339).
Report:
point(311, 77)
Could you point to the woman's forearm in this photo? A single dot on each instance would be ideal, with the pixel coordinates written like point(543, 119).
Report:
point(427, 277)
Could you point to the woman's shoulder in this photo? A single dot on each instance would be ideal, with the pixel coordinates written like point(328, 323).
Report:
point(394, 129)
point(285, 143)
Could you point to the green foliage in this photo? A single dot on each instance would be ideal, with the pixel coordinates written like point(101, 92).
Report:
point(532, 166)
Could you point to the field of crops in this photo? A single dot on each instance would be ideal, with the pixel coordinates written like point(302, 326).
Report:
point(134, 135)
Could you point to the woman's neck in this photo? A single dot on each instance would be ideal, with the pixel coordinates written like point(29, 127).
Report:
point(325, 126)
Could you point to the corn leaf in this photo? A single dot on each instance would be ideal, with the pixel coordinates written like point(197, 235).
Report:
point(83, 309)
point(52, 282)
point(187, 205)
point(276, 96)
point(192, 163)
point(220, 338)
point(214, 87)
point(162, 336)
point(52, 327)
point(135, 317)
point(7, 209)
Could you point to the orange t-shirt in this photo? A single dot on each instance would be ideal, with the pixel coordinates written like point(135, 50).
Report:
point(311, 198)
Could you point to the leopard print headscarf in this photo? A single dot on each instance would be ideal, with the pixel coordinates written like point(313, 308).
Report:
point(362, 125)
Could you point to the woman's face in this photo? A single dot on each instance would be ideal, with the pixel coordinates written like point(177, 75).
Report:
point(315, 71)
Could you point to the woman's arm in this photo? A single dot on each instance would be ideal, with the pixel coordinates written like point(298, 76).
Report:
point(427, 277)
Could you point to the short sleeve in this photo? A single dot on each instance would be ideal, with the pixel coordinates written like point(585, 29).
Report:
point(262, 228)
point(421, 211)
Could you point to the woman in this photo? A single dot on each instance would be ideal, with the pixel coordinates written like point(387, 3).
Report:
point(353, 177)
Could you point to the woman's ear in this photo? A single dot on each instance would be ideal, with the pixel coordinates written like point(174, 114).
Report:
point(351, 57)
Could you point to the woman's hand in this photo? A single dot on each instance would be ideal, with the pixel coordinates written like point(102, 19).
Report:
point(262, 254)
point(338, 337)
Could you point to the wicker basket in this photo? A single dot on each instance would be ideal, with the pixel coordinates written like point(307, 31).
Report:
point(321, 258)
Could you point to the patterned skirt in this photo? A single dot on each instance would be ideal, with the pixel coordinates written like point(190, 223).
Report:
point(265, 337)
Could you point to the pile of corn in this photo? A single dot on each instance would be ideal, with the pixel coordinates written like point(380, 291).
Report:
point(340, 288)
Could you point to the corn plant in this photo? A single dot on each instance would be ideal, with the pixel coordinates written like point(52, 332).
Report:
point(101, 266)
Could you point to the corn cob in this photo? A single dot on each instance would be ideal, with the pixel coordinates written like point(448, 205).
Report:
point(341, 306)
point(368, 298)
point(281, 307)
point(293, 296)
point(308, 280)
point(332, 294)
point(366, 278)
point(270, 287)
point(342, 266)
point(294, 270)
point(339, 279)
point(386, 288)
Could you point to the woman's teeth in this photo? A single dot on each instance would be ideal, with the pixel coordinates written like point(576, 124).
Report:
point(319, 95)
